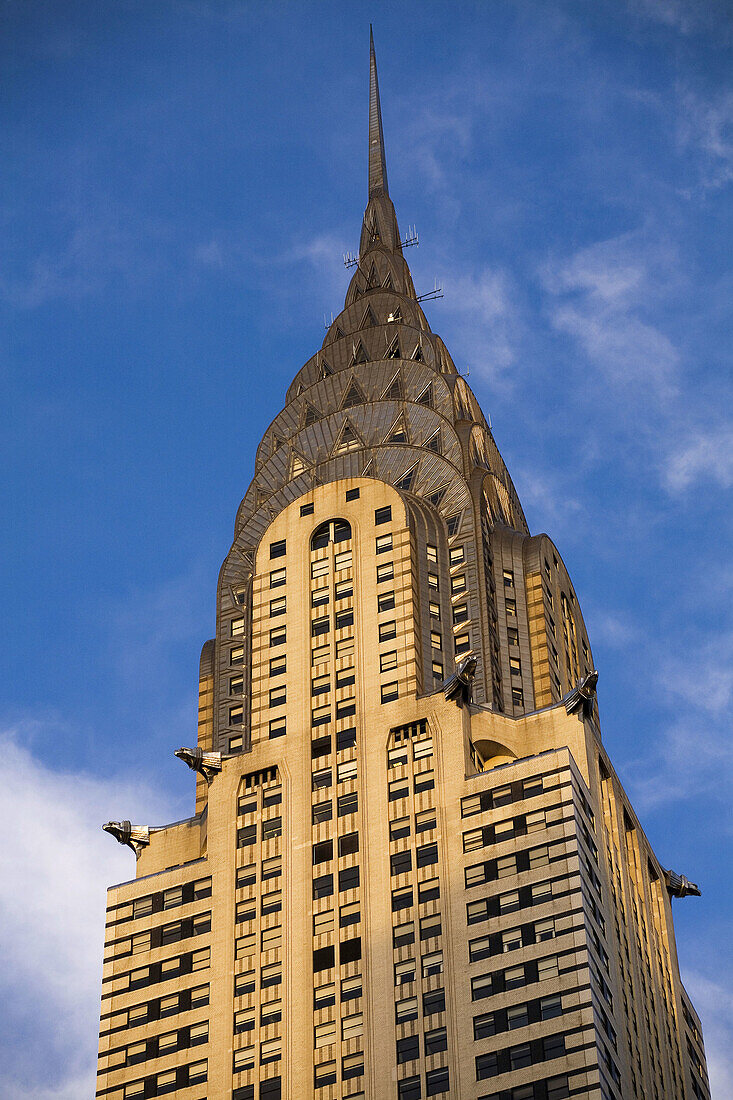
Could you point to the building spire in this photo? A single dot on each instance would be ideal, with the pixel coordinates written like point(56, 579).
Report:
point(377, 159)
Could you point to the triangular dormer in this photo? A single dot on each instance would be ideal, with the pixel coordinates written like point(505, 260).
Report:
point(426, 397)
point(437, 497)
point(353, 395)
point(369, 469)
point(368, 320)
point(393, 350)
point(395, 390)
point(339, 334)
point(325, 368)
point(453, 524)
point(276, 444)
point(395, 316)
point(417, 354)
point(298, 464)
point(359, 354)
point(388, 284)
point(435, 443)
point(398, 433)
point(373, 277)
point(407, 480)
point(310, 414)
point(348, 439)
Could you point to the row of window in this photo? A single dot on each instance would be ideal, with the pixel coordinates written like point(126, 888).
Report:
point(158, 1046)
point(162, 900)
point(491, 869)
point(502, 796)
point(159, 1008)
point(511, 939)
point(437, 1082)
point(520, 1056)
point(522, 825)
point(170, 1081)
point(164, 935)
point(188, 963)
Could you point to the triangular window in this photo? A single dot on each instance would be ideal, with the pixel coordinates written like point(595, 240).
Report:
point(353, 396)
point(347, 440)
point(434, 443)
point(398, 432)
point(359, 354)
point(437, 497)
point(339, 335)
point(426, 397)
point(373, 279)
point(368, 318)
point(297, 464)
point(395, 390)
point(388, 284)
point(453, 524)
point(326, 368)
point(394, 316)
point(310, 415)
point(368, 470)
point(276, 444)
point(417, 354)
point(393, 351)
point(407, 480)
point(299, 389)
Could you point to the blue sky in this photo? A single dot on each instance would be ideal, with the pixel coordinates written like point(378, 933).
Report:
point(181, 179)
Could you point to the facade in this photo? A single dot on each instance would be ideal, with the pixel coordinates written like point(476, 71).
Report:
point(412, 870)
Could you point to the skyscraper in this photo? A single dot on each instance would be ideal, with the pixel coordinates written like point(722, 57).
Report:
point(412, 870)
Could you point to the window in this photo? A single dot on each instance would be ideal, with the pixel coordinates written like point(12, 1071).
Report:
point(383, 515)
point(479, 949)
point(244, 983)
point(236, 685)
point(532, 786)
point(520, 1056)
point(277, 549)
point(383, 544)
point(517, 697)
point(460, 613)
point(344, 590)
point(385, 601)
point(322, 852)
point(323, 923)
point(278, 635)
point(322, 886)
point(517, 1016)
point(433, 1001)
point(515, 666)
point(235, 716)
point(430, 927)
point(324, 996)
point(277, 727)
point(325, 1034)
point(320, 654)
point(343, 560)
point(172, 897)
point(319, 568)
point(541, 891)
point(539, 857)
point(388, 661)
point(456, 555)
point(347, 804)
point(484, 1026)
point(348, 844)
point(487, 1065)
point(477, 911)
point(349, 914)
point(277, 696)
point(432, 964)
point(437, 1080)
point(406, 1010)
point(387, 631)
point(270, 975)
point(508, 578)
point(322, 811)
point(425, 820)
point(511, 939)
point(462, 643)
point(236, 629)
point(433, 581)
point(458, 584)
point(408, 1049)
point(321, 778)
point(236, 655)
point(390, 692)
point(385, 571)
point(324, 1074)
point(346, 771)
point(320, 597)
point(352, 494)
point(436, 640)
point(550, 1007)
point(404, 972)
point(401, 899)
point(278, 606)
point(434, 609)
point(547, 968)
point(320, 716)
point(429, 890)
point(427, 854)
point(351, 988)
point(409, 1089)
point(435, 1041)
point(349, 879)
point(200, 960)
point(424, 781)
point(422, 749)
point(514, 977)
point(437, 670)
point(401, 863)
point(558, 1088)
point(278, 665)
point(403, 934)
point(473, 840)
point(544, 930)
point(505, 866)
point(344, 619)
point(509, 902)
point(319, 627)
point(306, 509)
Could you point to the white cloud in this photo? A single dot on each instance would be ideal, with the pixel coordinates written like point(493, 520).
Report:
point(702, 455)
point(599, 297)
point(481, 309)
point(706, 126)
point(713, 1002)
point(55, 865)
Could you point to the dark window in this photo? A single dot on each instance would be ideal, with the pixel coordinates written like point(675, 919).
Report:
point(408, 1049)
point(401, 899)
point(322, 852)
point(385, 601)
point(322, 886)
point(427, 854)
point(349, 878)
point(278, 636)
point(306, 509)
point(485, 1026)
point(246, 836)
point(434, 1001)
point(487, 1065)
point(322, 811)
point(424, 782)
point(409, 1089)
point(345, 739)
point(346, 710)
point(272, 828)
point(333, 530)
point(323, 959)
point(428, 891)
point(401, 863)
point(553, 1046)
point(348, 803)
point(270, 1089)
point(437, 1080)
point(383, 515)
point(319, 626)
point(520, 1056)
point(348, 844)
point(277, 549)
point(344, 619)
point(321, 747)
point(551, 1007)
point(243, 984)
point(387, 631)
point(436, 1041)
point(399, 828)
point(352, 494)
point(350, 950)
point(244, 1092)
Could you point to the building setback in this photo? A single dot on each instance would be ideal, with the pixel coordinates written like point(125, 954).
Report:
point(412, 870)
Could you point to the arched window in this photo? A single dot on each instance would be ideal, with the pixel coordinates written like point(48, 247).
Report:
point(333, 530)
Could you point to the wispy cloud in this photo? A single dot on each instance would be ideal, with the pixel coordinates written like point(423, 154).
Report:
point(703, 455)
point(55, 865)
point(706, 127)
point(481, 310)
